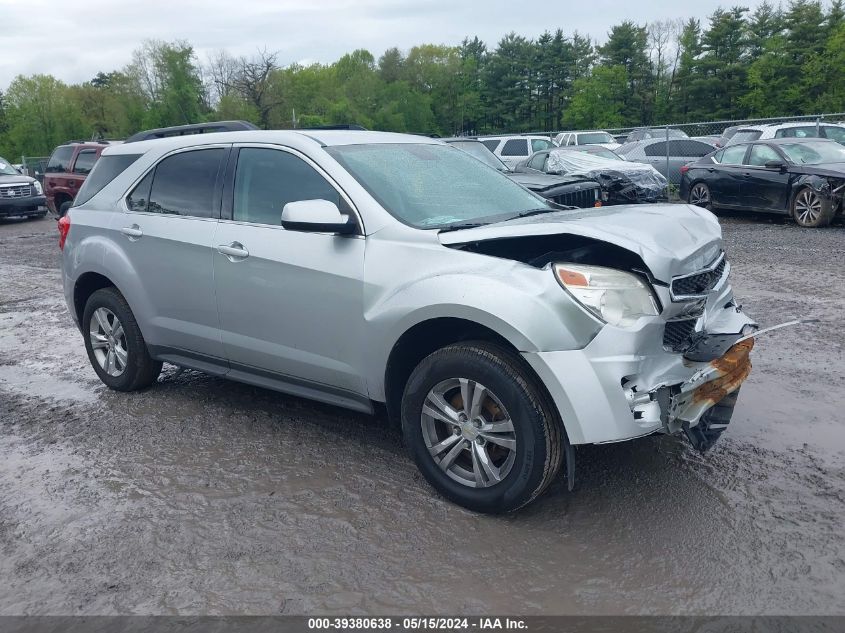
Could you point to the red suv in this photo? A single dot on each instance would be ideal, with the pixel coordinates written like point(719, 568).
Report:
point(66, 171)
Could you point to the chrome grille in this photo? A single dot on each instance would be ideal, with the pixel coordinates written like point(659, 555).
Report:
point(676, 335)
point(700, 283)
point(16, 191)
point(584, 198)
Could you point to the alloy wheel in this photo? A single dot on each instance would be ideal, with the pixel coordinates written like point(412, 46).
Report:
point(108, 342)
point(700, 196)
point(808, 207)
point(468, 432)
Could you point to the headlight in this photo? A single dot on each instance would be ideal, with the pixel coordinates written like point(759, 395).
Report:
point(614, 296)
point(38, 188)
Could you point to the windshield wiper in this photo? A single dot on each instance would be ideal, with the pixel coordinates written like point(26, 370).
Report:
point(531, 212)
point(464, 225)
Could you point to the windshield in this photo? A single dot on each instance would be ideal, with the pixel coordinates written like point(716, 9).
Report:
point(595, 137)
point(435, 186)
point(6, 169)
point(814, 153)
point(480, 151)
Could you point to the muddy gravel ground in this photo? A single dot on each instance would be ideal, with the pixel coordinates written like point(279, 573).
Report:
point(206, 496)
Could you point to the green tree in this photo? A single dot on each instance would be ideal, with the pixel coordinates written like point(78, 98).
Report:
point(627, 46)
point(722, 68)
point(598, 99)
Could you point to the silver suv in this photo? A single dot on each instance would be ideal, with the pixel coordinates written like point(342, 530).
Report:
point(360, 268)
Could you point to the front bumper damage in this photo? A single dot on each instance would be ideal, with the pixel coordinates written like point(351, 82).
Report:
point(683, 407)
point(625, 384)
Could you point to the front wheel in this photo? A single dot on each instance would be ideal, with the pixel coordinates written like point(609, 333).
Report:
point(699, 195)
point(480, 431)
point(114, 343)
point(811, 210)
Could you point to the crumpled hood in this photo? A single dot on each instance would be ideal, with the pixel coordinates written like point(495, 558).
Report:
point(672, 239)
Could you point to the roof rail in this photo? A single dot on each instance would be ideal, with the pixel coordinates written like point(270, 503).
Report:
point(100, 141)
point(339, 126)
point(194, 128)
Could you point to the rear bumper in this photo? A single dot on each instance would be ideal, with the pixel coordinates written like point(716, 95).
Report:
point(624, 384)
point(22, 206)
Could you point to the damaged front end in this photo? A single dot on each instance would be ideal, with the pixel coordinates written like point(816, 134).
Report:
point(675, 363)
point(684, 407)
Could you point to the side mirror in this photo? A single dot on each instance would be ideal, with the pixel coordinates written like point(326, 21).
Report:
point(775, 164)
point(317, 216)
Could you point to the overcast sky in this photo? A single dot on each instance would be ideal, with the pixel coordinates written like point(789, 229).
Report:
point(75, 40)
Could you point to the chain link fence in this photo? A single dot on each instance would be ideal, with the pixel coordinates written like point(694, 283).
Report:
point(35, 166)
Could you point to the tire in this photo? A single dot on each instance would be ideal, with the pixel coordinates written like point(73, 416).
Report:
point(507, 392)
point(64, 207)
point(124, 346)
point(713, 423)
point(811, 210)
point(699, 195)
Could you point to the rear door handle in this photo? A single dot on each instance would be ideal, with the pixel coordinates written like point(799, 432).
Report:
point(233, 251)
point(132, 232)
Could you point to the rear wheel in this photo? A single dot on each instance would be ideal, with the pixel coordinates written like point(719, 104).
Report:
point(114, 343)
point(811, 210)
point(478, 428)
point(699, 195)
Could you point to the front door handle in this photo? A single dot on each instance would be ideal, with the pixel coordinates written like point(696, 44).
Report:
point(132, 232)
point(233, 251)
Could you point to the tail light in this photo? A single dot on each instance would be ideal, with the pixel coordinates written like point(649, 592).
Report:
point(64, 229)
point(684, 169)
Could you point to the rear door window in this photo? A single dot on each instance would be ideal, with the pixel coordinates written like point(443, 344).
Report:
point(84, 162)
point(60, 160)
point(184, 183)
point(491, 144)
point(515, 147)
point(733, 155)
point(656, 149)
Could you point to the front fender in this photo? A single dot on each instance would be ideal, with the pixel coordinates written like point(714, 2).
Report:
point(524, 305)
point(819, 184)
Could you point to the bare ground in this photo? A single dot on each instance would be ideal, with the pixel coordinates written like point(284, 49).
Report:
point(206, 496)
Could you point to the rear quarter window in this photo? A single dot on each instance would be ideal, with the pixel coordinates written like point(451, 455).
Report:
point(104, 171)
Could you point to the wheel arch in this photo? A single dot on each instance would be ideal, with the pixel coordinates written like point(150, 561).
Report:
point(428, 336)
point(87, 284)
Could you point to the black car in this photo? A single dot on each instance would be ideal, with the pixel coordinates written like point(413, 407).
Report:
point(19, 195)
point(623, 182)
point(572, 191)
point(802, 177)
